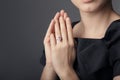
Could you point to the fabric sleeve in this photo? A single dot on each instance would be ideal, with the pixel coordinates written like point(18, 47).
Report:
point(115, 54)
point(42, 58)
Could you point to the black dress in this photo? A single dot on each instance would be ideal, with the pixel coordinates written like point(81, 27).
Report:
point(98, 59)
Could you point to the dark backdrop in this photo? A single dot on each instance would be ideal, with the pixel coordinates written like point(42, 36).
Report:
point(23, 24)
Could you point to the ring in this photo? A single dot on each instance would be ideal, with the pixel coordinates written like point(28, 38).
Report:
point(59, 39)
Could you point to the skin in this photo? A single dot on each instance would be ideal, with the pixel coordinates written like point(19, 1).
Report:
point(62, 27)
point(60, 55)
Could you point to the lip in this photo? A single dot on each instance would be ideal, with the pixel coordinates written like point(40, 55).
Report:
point(87, 1)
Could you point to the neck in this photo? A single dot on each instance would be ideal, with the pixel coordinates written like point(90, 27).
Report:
point(91, 21)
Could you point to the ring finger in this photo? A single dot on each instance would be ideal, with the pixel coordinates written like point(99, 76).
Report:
point(57, 31)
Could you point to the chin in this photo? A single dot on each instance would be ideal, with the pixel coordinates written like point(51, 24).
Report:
point(89, 8)
point(92, 6)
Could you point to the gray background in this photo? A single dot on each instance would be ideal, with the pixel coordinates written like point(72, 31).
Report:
point(23, 24)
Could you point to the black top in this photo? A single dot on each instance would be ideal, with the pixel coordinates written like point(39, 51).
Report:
point(98, 59)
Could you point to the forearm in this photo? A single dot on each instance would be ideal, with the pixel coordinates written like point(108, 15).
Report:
point(116, 78)
point(48, 73)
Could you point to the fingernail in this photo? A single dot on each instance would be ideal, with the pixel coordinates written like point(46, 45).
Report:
point(57, 13)
point(62, 10)
point(53, 20)
point(67, 18)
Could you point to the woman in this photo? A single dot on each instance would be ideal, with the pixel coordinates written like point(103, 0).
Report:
point(95, 55)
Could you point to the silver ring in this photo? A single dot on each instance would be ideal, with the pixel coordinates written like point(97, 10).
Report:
point(59, 39)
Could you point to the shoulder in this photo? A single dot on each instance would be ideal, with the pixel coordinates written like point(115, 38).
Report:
point(75, 23)
point(113, 32)
point(113, 40)
point(76, 29)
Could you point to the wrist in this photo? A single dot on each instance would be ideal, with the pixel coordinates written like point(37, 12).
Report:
point(48, 73)
point(68, 74)
point(49, 67)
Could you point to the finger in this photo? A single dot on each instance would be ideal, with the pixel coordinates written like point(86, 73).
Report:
point(57, 30)
point(57, 15)
point(63, 29)
point(69, 30)
point(50, 29)
point(62, 13)
point(65, 16)
point(52, 40)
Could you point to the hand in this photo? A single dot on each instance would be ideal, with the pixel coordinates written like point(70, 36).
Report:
point(48, 71)
point(63, 52)
point(47, 44)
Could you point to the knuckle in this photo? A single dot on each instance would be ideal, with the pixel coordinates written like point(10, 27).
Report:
point(53, 49)
point(71, 44)
point(45, 41)
point(65, 45)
